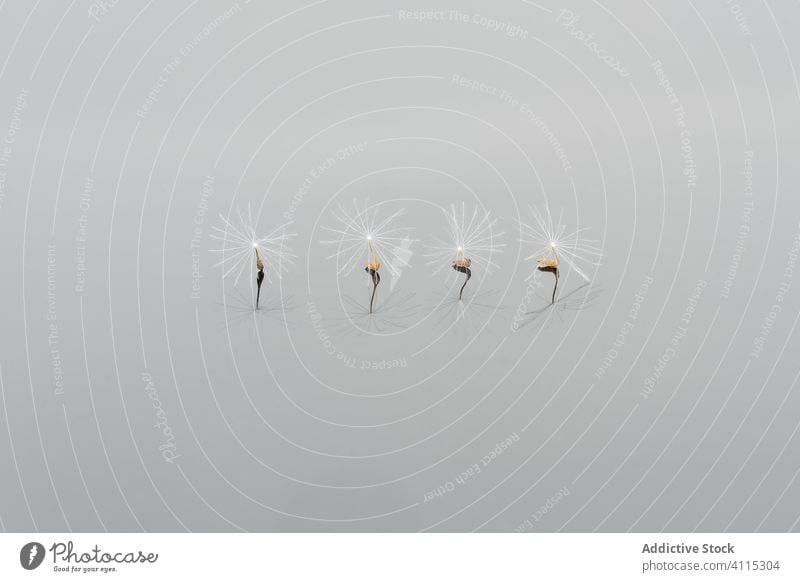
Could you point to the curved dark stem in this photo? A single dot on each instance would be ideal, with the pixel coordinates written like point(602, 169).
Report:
point(555, 287)
point(553, 270)
point(259, 280)
point(468, 273)
point(376, 279)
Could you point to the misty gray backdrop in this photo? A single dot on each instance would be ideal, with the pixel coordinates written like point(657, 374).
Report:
point(142, 391)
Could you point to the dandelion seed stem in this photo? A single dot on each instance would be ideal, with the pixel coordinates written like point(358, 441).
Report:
point(376, 279)
point(469, 275)
point(259, 277)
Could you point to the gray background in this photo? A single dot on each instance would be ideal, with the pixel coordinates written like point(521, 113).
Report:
point(273, 433)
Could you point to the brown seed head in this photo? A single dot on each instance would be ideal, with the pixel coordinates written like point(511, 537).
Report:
point(548, 262)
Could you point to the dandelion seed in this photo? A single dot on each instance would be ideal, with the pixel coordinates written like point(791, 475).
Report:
point(363, 235)
point(471, 240)
point(554, 245)
point(241, 239)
